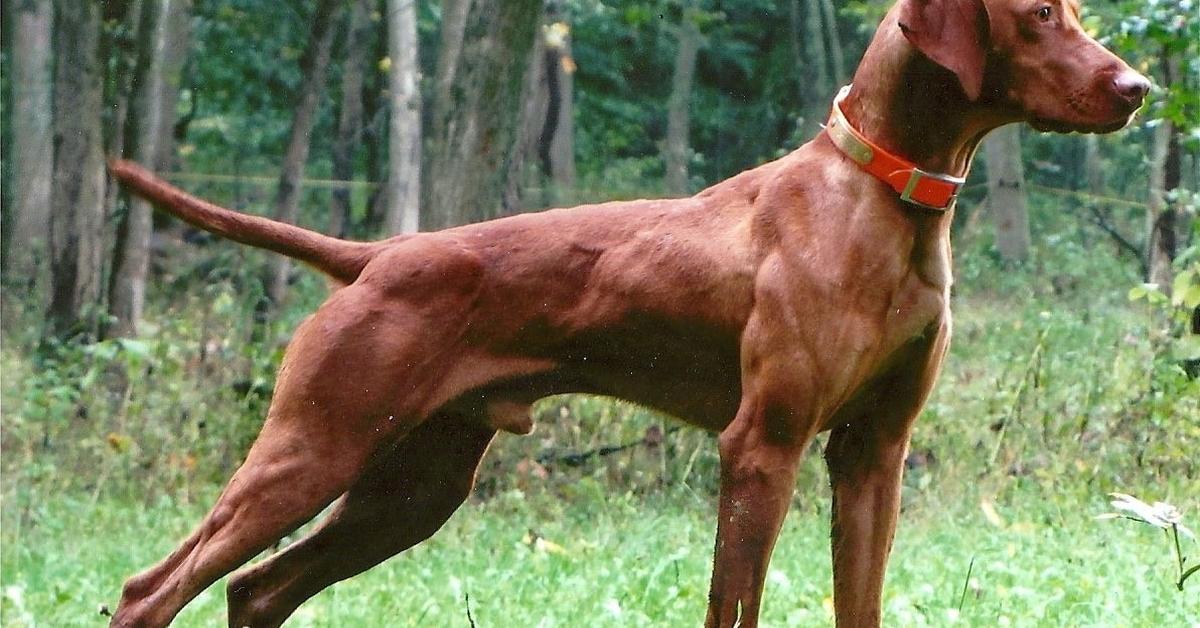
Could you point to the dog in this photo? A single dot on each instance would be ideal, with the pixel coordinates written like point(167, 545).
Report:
point(808, 294)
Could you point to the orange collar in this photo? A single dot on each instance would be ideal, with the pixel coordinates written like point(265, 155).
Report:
point(930, 190)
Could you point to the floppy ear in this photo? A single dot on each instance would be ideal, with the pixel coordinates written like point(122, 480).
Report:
point(952, 33)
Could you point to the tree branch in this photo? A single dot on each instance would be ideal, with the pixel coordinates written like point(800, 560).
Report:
point(1099, 219)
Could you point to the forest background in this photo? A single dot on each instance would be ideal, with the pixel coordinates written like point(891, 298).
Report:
point(138, 355)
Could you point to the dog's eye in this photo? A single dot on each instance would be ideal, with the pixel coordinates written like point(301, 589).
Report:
point(1044, 13)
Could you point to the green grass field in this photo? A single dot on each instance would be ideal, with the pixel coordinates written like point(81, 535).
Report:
point(1058, 390)
point(638, 561)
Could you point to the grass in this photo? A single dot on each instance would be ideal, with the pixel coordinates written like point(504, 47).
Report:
point(635, 561)
point(1057, 391)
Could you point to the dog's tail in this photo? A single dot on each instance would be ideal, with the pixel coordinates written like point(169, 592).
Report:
point(341, 259)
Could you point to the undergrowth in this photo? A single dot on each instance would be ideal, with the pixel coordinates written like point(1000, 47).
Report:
point(1057, 391)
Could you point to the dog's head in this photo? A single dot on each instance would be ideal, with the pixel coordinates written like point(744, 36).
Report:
point(1027, 60)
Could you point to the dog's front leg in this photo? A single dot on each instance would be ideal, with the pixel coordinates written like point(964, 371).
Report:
point(865, 456)
point(758, 471)
point(865, 469)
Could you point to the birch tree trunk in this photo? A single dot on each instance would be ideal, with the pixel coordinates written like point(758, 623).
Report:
point(475, 123)
point(350, 117)
point(678, 122)
point(404, 136)
point(32, 152)
point(128, 297)
point(312, 67)
point(1006, 192)
point(77, 193)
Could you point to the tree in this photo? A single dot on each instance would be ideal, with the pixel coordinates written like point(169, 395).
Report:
point(836, 50)
point(31, 143)
point(525, 170)
point(1170, 31)
point(1006, 200)
point(818, 54)
point(404, 136)
point(545, 154)
point(555, 137)
point(119, 47)
point(558, 136)
point(132, 259)
point(1165, 176)
point(312, 67)
point(77, 196)
point(175, 56)
point(475, 122)
point(678, 126)
point(349, 128)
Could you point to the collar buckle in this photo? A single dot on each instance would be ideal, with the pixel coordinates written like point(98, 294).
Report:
point(914, 179)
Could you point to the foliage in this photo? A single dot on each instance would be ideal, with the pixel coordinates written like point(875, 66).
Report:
point(1173, 28)
point(164, 414)
point(747, 101)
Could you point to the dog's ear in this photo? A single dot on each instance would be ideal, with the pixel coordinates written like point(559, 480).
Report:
point(952, 33)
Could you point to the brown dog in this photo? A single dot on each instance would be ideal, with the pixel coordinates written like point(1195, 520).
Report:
point(807, 294)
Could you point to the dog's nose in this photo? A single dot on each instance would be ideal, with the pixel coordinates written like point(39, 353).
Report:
point(1131, 86)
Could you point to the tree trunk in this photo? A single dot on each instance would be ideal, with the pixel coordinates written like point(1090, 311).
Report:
point(835, 42)
point(404, 136)
point(312, 88)
point(1165, 175)
point(527, 171)
point(454, 26)
point(799, 61)
point(558, 136)
point(1093, 164)
point(350, 117)
point(1160, 220)
point(474, 127)
point(818, 57)
point(77, 193)
point(32, 152)
point(375, 129)
point(1006, 192)
point(175, 56)
point(119, 51)
point(128, 296)
point(678, 123)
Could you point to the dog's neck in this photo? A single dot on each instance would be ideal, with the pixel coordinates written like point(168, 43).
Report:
point(914, 108)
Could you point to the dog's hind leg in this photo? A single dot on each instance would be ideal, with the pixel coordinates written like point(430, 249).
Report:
point(403, 498)
point(356, 378)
